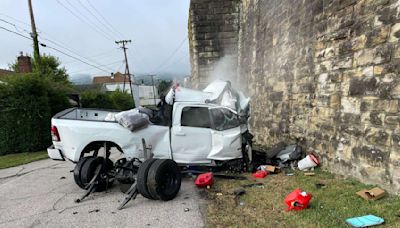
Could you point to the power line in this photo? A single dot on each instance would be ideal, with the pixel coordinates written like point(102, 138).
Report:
point(80, 60)
point(57, 44)
point(95, 16)
point(44, 45)
point(170, 56)
point(17, 33)
point(176, 62)
point(109, 64)
point(77, 16)
point(15, 26)
point(89, 20)
point(105, 20)
point(98, 56)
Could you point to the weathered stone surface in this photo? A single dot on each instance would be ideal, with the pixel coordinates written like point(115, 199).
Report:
point(323, 71)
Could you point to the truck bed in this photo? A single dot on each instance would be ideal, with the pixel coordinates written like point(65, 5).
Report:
point(87, 114)
point(80, 127)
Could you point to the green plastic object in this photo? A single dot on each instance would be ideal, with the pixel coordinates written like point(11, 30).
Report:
point(365, 221)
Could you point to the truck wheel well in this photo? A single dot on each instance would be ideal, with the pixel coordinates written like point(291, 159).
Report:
point(96, 145)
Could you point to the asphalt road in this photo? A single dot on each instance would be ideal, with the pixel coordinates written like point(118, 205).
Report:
point(42, 194)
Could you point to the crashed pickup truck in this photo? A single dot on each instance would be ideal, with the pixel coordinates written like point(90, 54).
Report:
point(201, 128)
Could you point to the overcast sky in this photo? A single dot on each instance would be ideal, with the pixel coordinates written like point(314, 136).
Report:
point(157, 28)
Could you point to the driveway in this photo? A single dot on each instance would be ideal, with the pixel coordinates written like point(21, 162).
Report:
point(42, 194)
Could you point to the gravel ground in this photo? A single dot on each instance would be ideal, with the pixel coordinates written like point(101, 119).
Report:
point(42, 194)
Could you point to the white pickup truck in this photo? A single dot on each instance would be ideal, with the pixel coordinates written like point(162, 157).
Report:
point(207, 128)
point(200, 132)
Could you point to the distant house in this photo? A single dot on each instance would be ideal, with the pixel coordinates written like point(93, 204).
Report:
point(24, 66)
point(142, 94)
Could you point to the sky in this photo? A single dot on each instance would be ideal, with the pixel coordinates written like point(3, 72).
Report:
point(87, 29)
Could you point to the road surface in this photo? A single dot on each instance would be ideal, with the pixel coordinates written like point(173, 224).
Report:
point(42, 194)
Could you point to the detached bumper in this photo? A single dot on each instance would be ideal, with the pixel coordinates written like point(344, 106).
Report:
point(55, 154)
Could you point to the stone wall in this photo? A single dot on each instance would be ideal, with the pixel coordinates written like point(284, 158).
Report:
point(213, 34)
point(326, 72)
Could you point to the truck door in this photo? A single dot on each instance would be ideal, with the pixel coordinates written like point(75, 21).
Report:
point(191, 134)
point(226, 135)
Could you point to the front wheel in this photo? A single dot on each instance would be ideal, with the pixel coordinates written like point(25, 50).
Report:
point(247, 151)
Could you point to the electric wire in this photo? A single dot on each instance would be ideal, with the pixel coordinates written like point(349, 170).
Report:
point(170, 56)
point(105, 20)
point(77, 16)
point(53, 48)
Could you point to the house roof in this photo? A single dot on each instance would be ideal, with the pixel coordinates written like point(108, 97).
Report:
point(4, 72)
point(116, 78)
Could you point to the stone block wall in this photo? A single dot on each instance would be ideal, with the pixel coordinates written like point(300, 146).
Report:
point(326, 73)
point(213, 34)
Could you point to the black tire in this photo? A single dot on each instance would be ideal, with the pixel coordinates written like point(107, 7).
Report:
point(89, 169)
point(142, 178)
point(78, 170)
point(164, 179)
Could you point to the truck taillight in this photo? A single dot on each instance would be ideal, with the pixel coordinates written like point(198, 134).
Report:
point(54, 134)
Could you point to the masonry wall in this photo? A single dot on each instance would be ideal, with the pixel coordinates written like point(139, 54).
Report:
point(213, 34)
point(326, 73)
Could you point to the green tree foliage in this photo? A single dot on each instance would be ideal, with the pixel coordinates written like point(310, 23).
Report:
point(163, 87)
point(111, 100)
point(27, 103)
point(50, 68)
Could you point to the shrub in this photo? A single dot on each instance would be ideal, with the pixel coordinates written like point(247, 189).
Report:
point(111, 100)
point(27, 103)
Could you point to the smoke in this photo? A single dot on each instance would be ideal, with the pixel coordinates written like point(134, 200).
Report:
point(224, 69)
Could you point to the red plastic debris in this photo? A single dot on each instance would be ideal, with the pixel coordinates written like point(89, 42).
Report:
point(297, 200)
point(260, 174)
point(204, 180)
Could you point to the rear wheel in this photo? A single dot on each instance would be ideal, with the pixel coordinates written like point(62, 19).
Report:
point(78, 170)
point(142, 178)
point(89, 170)
point(164, 179)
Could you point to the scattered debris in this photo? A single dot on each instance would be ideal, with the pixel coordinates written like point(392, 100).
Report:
point(269, 168)
point(320, 185)
point(297, 200)
point(308, 162)
point(219, 194)
point(260, 174)
point(62, 178)
point(372, 194)
point(365, 221)
point(186, 210)
point(291, 152)
point(239, 191)
point(95, 210)
point(204, 180)
point(289, 174)
point(309, 174)
point(241, 203)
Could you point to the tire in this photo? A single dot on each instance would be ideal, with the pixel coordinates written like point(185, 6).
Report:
point(164, 179)
point(89, 169)
point(78, 170)
point(142, 178)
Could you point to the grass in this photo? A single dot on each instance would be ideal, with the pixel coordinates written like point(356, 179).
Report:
point(264, 207)
point(11, 160)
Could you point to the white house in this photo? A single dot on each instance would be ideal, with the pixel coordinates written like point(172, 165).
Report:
point(142, 94)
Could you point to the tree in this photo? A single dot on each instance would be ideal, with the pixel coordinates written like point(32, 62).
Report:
point(50, 68)
point(163, 87)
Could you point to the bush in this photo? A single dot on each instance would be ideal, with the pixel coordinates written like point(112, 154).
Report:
point(27, 103)
point(117, 100)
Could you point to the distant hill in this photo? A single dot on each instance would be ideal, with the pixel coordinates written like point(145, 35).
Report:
point(81, 79)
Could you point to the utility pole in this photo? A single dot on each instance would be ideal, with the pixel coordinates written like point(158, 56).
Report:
point(127, 73)
point(36, 53)
point(154, 93)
